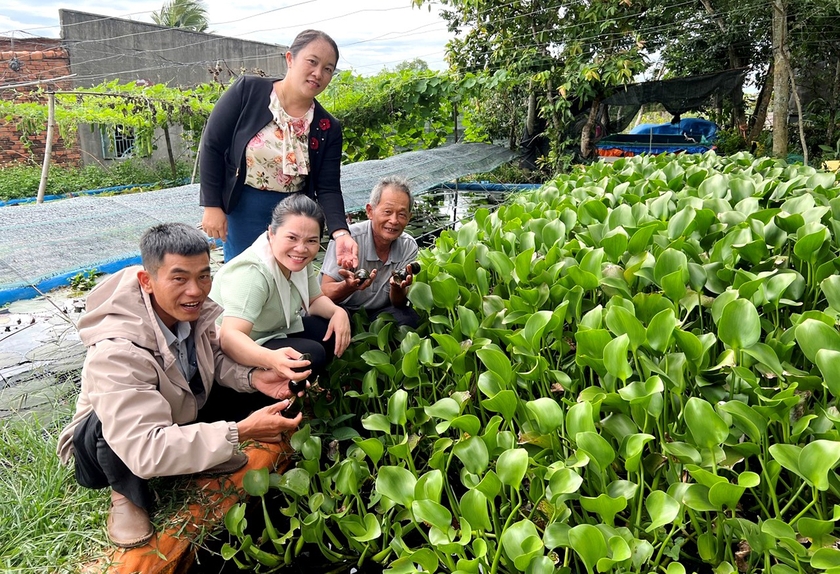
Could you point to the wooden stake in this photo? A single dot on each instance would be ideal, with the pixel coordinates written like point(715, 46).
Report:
point(45, 170)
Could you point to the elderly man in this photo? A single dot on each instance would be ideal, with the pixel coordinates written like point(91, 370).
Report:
point(149, 405)
point(384, 248)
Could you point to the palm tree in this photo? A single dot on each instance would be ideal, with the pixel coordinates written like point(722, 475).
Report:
point(188, 14)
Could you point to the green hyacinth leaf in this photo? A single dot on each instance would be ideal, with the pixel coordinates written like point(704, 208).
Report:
point(474, 508)
point(522, 543)
point(512, 466)
point(396, 483)
point(473, 453)
point(589, 543)
point(433, 513)
point(662, 508)
point(828, 362)
point(707, 427)
point(817, 459)
point(255, 482)
point(739, 326)
point(813, 335)
point(547, 412)
point(615, 358)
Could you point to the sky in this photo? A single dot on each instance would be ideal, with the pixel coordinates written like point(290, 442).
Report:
point(371, 34)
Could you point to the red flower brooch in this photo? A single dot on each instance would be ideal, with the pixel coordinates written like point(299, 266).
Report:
point(324, 124)
point(313, 143)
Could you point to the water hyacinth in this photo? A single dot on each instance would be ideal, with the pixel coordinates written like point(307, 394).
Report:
point(631, 369)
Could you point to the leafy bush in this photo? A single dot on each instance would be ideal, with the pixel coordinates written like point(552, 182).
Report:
point(633, 369)
point(509, 172)
point(404, 110)
point(729, 141)
point(21, 181)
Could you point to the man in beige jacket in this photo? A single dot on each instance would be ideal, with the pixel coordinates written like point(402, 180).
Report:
point(149, 405)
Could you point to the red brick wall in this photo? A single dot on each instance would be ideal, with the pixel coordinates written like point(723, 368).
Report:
point(36, 59)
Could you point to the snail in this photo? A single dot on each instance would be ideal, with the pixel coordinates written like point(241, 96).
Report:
point(298, 386)
point(362, 274)
point(412, 268)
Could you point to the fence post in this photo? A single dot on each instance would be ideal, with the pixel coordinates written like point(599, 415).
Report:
point(45, 170)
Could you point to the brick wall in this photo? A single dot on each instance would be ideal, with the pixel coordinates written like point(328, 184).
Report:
point(21, 62)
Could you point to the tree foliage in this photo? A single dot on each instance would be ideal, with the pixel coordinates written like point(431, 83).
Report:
point(187, 14)
point(566, 54)
point(409, 109)
point(412, 108)
point(570, 53)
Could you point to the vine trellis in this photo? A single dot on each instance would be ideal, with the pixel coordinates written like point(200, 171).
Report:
point(143, 108)
point(381, 115)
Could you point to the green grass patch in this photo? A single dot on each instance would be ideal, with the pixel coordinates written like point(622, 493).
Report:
point(49, 520)
point(22, 180)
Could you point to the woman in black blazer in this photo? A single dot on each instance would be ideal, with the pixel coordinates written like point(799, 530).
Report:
point(257, 150)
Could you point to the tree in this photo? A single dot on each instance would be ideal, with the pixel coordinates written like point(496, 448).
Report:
point(415, 65)
point(714, 34)
point(187, 14)
point(562, 58)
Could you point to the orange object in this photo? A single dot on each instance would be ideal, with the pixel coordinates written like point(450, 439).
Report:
point(170, 552)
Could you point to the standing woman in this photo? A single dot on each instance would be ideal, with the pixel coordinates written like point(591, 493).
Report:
point(267, 139)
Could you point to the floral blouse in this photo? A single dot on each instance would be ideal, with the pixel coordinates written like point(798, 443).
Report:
point(277, 158)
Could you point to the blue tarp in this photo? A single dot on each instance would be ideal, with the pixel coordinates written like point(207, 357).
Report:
point(696, 129)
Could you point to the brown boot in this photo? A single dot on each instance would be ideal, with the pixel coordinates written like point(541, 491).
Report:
point(128, 524)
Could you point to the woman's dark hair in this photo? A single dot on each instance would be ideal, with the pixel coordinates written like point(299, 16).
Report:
point(306, 37)
point(170, 238)
point(296, 204)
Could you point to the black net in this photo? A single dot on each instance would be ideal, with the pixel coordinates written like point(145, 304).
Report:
point(678, 95)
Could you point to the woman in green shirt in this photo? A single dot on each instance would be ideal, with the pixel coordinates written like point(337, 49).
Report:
point(273, 306)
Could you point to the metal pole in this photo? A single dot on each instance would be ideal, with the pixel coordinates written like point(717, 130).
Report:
point(45, 170)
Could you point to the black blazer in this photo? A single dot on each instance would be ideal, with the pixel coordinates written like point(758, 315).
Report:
point(240, 113)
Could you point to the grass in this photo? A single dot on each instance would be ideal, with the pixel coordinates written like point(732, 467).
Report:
point(51, 524)
point(22, 180)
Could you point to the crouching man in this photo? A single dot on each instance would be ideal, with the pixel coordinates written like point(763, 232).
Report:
point(149, 405)
point(384, 247)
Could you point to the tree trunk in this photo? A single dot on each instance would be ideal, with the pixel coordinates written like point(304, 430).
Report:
point(45, 169)
point(587, 149)
point(531, 114)
point(555, 119)
point(781, 81)
point(761, 106)
point(513, 141)
point(531, 119)
point(739, 116)
point(832, 106)
point(801, 121)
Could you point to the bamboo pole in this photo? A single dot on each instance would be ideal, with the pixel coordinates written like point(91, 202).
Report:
point(45, 170)
point(197, 154)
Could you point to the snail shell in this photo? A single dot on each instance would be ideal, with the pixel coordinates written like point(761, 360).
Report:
point(362, 274)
